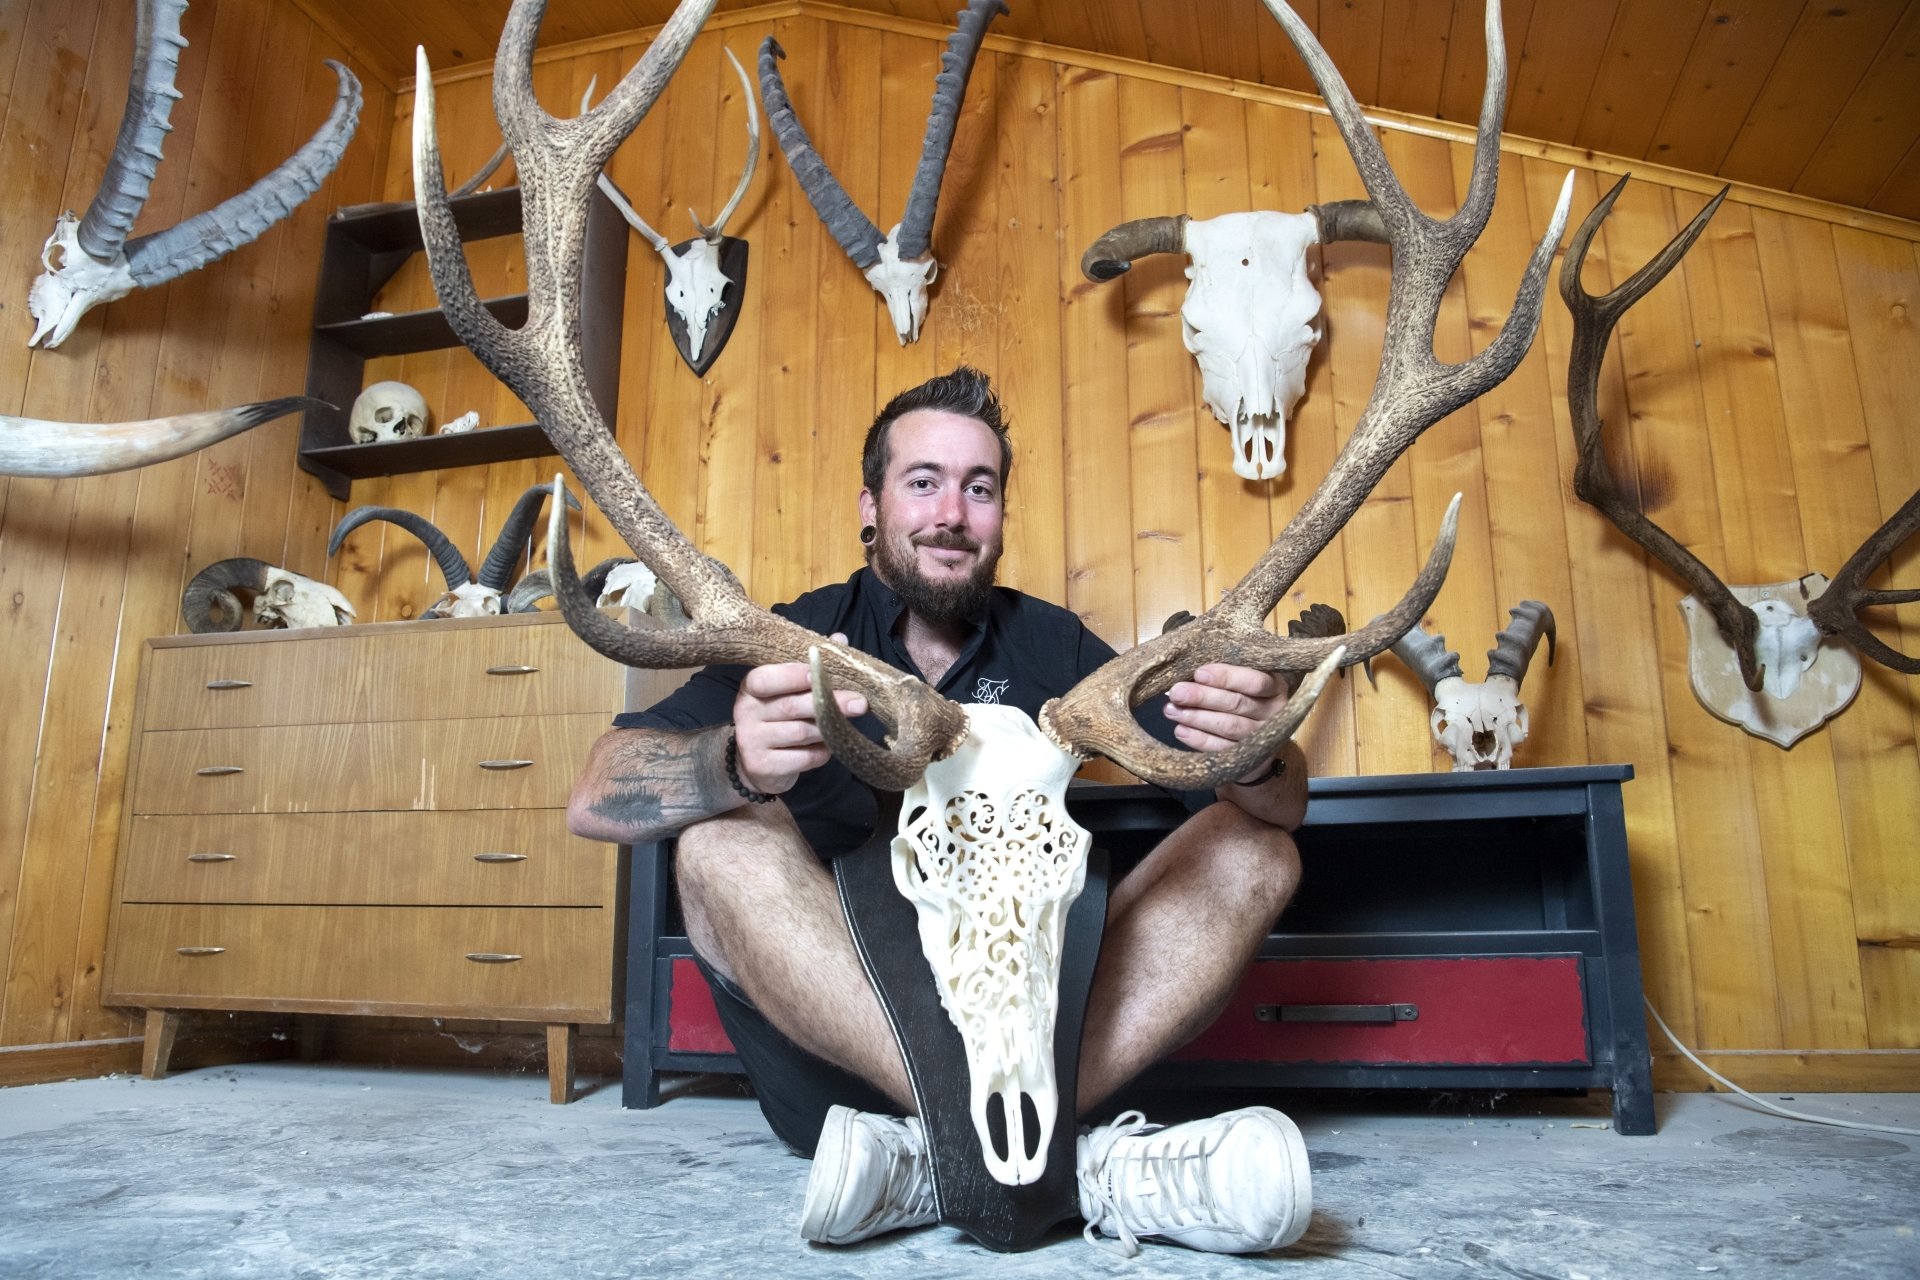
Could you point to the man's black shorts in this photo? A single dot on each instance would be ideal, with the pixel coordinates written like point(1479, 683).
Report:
point(795, 1088)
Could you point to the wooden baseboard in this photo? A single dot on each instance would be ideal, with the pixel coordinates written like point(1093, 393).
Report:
point(1789, 1070)
point(74, 1060)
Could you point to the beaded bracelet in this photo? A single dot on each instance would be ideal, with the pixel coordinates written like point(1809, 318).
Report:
point(1274, 770)
point(733, 775)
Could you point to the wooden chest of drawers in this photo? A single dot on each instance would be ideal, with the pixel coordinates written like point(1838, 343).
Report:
point(371, 820)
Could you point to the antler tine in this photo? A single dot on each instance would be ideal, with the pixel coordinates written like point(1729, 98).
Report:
point(1833, 610)
point(615, 196)
point(713, 233)
point(1593, 323)
point(949, 92)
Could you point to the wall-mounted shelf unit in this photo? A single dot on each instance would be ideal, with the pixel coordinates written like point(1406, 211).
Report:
point(363, 251)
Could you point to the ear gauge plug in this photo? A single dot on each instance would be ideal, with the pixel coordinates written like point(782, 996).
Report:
point(867, 534)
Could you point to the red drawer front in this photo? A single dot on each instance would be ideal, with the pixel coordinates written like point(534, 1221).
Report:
point(1508, 1009)
point(693, 1024)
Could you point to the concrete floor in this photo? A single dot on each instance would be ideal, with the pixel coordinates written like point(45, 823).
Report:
point(286, 1169)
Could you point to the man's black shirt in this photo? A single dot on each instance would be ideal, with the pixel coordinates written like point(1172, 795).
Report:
point(1020, 652)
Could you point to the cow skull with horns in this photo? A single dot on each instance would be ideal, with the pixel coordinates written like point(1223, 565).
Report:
point(899, 265)
point(699, 271)
point(90, 261)
point(1479, 725)
point(972, 814)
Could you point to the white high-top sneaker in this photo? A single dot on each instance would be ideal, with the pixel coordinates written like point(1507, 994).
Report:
point(870, 1175)
point(1238, 1183)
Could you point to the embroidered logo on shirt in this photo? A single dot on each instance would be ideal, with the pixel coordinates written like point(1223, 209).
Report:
point(989, 690)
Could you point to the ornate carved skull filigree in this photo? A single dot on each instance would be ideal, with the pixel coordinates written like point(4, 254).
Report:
point(388, 411)
point(991, 862)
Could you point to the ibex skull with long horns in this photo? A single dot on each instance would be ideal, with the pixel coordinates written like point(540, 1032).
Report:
point(899, 265)
point(89, 260)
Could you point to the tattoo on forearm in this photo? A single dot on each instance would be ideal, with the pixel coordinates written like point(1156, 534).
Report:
point(656, 783)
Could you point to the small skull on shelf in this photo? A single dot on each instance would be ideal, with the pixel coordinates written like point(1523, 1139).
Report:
point(388, 411)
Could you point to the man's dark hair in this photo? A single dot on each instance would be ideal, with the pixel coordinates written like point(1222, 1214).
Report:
point(965, 391)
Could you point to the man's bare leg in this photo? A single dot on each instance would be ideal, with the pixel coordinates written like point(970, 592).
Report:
point(762, 910)
point(1181, 928)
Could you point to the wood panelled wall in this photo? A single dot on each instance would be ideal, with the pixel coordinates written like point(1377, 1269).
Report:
point(1761, 401)
point(90, 568)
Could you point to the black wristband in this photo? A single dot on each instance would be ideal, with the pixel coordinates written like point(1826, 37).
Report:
point(733, 775)
point(1274, 770)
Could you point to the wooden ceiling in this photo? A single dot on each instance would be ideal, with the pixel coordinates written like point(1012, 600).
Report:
point(1818, 97)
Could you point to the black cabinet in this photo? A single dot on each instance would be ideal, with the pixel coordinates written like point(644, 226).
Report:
point(1452, 930)
point(364, 249)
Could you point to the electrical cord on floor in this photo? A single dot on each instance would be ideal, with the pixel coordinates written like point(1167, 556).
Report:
point(1792, 1115)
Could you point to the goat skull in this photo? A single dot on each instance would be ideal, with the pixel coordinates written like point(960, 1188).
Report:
point(73, 284)
point(468, 600)
point(1479, 725)
point(291, 600)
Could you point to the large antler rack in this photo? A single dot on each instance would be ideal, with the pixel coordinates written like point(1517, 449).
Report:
point(1414, 390)
point(560, 162)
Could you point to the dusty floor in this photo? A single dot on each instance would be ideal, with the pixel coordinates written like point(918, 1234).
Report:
point(287, 1169)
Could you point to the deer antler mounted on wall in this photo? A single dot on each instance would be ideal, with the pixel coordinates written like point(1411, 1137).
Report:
point(899, 265)
point(699, 271)
point(1773, 643)
point(956, 762)
point(90, 260)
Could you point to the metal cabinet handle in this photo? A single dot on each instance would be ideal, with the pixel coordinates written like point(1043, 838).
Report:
point(499, 857)
point(229, 684)
point(511, 671)
point(211, 857)
point(199, 951)
point(505, 764)
point(217, 770)
point(491, 957)
point(1376, 1013)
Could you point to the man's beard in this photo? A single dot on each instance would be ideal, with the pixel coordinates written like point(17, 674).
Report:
point(940, 603)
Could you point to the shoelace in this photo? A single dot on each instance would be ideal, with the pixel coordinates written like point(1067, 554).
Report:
point(909, 1191)
point(1178, 1173)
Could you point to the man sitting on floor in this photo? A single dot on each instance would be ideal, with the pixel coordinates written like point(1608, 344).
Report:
point(734, 765)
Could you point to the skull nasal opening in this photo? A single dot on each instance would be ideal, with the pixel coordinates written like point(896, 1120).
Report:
point(1029, 1126)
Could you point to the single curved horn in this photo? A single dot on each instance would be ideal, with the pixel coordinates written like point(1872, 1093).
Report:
point(1340, 220)
point(205, 237)
point(1114, 253)
point(208, 603)
point(713, 233)
point(850, 228)
point(527, 593)
point(144, 126)
point(55, 450)
point(472, 184)
point(1428, 656)
point(453, 565)
point(497, 570)
point(949, 92)
point(1513, 648)
point(1833, 610)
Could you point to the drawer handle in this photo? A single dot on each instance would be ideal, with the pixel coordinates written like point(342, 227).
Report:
point(218, 770)
point(1376, 1013)
point(499, 857)
point(505, 764)
point(211, 857)
point(200, 951)
point(511, 671)
point(491, 957)
point(229, 684)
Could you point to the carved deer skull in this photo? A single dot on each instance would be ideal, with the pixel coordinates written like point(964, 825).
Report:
point(992, 863)
point(90, 260)
point(1479, 725)
point(387, 411)
point(559, 162)
point(700, 271)
point(899, 265)
point(1250, 317)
